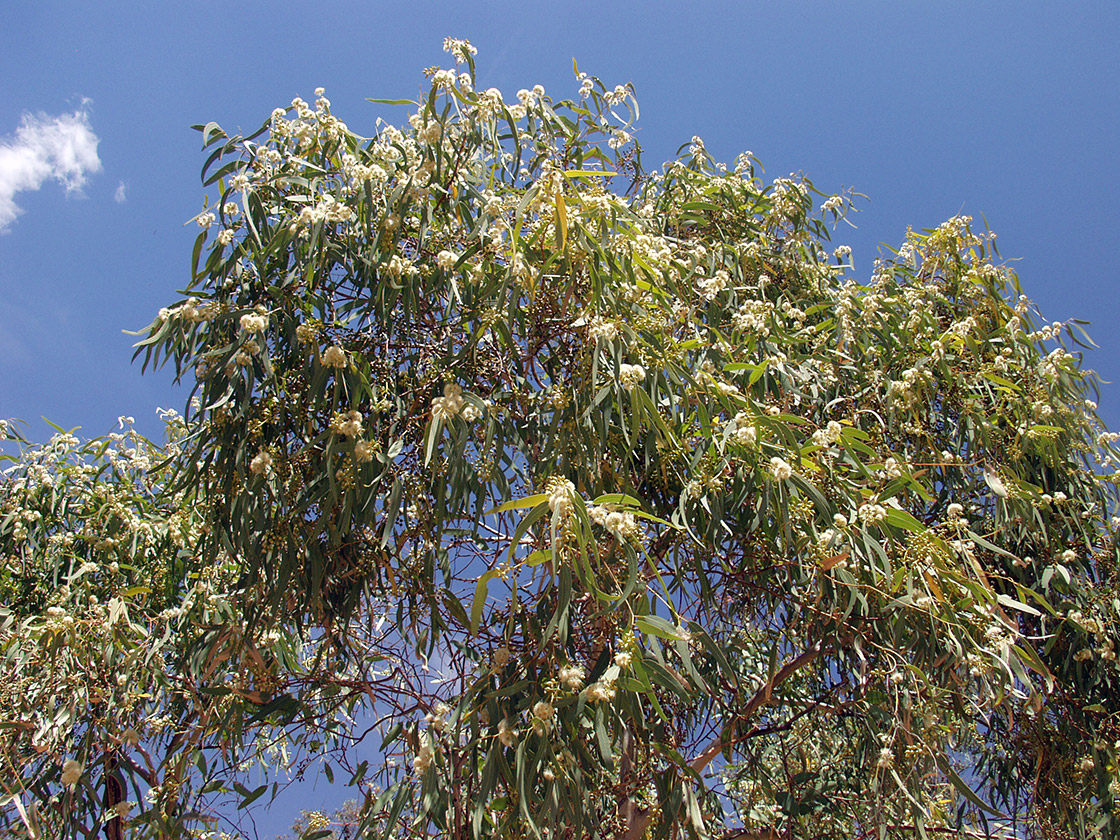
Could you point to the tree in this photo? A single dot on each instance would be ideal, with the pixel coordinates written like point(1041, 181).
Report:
point(545, 496)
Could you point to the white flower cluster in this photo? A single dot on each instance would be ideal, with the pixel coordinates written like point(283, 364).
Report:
point(443, 79)
point(795, 314)
point(872, 513)
point(437, 717)
point(616, 96)
point(307, 333)
point(348, 423)
point(450, 404)
point(657, 250)
point(560, 492)
point(507, 735)
point(905, 389)
point(254, 322)
point(780, 469)
point(622, 524)
point(363, 451)
point(489, 103)
point(618, 138)
point(359, 174)
point(742, 430)
point(446, 260)
point(1047, 332)
point(71, 772)
point(429, 133)
point(711, 286)
point(886, 759)
point(1058, 360)
point(543, 710)
point(753, 317)
point(790, 197)
point(602, 329)
point(529, 98)
point(543, 713)
point(334, 356)
point(260, 464)
point(423, 759)
point(328, 210)
point(460, 48)
point(630, 375)
point(601, 692)
point(500, 658)
point(399, 266)
point(829, 435)
point(955, 515)
point(190, 310)
point(572, 677)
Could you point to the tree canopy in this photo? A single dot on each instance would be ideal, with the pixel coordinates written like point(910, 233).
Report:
point(540, 495)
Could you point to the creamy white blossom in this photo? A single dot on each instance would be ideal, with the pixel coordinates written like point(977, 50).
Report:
point(335, 357)
point(71, 772)
point(572, 676)
point(450, 404)
point(780, 469)
point(630, 375)
point(261, 463)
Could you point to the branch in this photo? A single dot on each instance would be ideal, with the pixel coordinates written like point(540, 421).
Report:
point(761, 698)
point(638, 820)
point(954, 832)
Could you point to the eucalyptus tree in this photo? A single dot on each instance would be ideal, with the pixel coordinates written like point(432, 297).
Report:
point(540, 495)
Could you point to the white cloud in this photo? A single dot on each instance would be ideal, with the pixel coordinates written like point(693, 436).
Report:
point(121, 195)
point(63, 148)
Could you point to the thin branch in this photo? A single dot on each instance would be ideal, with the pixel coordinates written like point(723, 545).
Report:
point(639, 819)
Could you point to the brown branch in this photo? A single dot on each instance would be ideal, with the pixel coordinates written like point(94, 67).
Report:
point(954, 832)
point(638, 820)
point(114, 796)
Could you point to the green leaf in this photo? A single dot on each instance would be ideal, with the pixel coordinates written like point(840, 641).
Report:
point(901, 519)
point(434, 427)
point(525, 524)
point(999, 380)
point(562, 221)
point(617, 499)
point(517, 504)
point(1008, 601)
point(655, 625)
point(963, 788)
point(479, 603)
point(211, 131)
point(249, 799)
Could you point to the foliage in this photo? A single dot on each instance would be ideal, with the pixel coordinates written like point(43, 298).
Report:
point(545, 496)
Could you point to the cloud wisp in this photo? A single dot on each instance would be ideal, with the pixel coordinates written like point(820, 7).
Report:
point(63, 148)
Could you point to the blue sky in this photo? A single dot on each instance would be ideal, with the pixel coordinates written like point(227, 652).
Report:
point(1008, 111)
